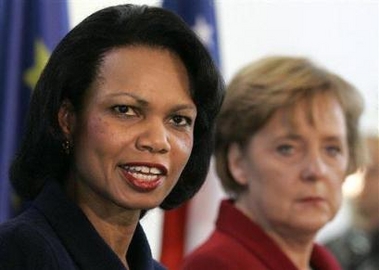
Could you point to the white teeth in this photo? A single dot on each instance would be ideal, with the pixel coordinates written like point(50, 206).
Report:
point(143, 170)
point(155, 171)
point(144, 177)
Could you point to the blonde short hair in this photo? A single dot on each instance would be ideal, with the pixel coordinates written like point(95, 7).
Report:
point(261, 88)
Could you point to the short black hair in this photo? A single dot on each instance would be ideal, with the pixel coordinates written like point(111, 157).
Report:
point(74, 66)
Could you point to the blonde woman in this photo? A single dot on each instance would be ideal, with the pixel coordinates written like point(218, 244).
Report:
point(286, 138)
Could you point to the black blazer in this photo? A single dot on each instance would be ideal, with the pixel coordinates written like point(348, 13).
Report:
point(53, 233)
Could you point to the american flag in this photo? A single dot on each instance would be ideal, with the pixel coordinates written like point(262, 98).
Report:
point(200, 15)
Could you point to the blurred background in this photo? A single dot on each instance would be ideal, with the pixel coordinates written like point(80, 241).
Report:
point(339, 35)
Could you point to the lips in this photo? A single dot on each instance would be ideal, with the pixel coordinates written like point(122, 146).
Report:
point(144, 177)
point(312, 199)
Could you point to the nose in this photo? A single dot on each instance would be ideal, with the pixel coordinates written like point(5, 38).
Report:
point(153, 138)
point(314, 167)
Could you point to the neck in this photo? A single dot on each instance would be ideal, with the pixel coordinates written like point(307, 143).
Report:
point(296, 244)
point(117, 231)
point(116, 225)
point(298, 250)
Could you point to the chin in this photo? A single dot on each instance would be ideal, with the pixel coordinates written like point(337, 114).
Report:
point(147, 204)
point(311, 226)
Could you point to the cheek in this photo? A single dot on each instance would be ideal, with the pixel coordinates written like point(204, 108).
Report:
point(337, 201)
point(336, 181)
point(183, 148)
point(186, 142)
point(276, 178)
point(266, 182)
point(281, 186)
point(97, 136)
point(99, 126)
point(335, 193)
point(186, 146)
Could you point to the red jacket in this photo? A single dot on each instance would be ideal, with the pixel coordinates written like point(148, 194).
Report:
point(238, 243)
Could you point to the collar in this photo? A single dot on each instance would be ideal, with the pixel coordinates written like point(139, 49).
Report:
point(84, 244)
point(250, 235)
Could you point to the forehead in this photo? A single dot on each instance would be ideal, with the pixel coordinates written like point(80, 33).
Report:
point(140, 68)
point(321, 112)
point(141, 59)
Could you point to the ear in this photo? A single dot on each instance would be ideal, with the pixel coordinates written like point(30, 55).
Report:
point(66, 118)
point(236, 164)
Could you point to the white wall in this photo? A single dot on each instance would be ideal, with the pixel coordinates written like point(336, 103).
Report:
point(340, 35)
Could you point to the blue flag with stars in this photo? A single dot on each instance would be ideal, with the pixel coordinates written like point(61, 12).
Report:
point(29, 30)
point(200, 16)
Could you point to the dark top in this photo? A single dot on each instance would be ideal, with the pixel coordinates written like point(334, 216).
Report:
point(53, 233)
point(237, 243)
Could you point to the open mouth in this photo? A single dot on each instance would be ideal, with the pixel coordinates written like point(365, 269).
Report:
point(144, 173)
point(144, 178)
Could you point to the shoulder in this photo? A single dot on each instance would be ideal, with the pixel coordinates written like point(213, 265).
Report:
point(22, 229)
point(322, 258)
point(24, 244)
point(210, 255)
point(221, 252)
point(207, 260)
point(158, 266)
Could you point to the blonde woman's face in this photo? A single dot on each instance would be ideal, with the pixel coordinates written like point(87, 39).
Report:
point(293, 173)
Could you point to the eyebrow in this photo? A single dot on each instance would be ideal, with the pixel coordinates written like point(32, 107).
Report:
point(181, 107)
point(290, 136)
point(330, 138)
point(136, 98)
point(145, 103)
point(335, 138)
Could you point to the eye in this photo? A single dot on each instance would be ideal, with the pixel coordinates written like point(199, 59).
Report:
point(181, 121)
point(124, 110)
point(285, 149)
point(333, 150)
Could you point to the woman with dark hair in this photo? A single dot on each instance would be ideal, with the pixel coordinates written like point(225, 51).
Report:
point(120, 122)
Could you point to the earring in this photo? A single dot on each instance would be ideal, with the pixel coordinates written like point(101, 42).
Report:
point(66, 147)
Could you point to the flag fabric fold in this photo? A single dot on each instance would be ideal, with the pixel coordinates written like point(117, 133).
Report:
point(201, 17)
point(29, 30)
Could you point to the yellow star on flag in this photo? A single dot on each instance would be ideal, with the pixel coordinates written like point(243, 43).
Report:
point(41, 55)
